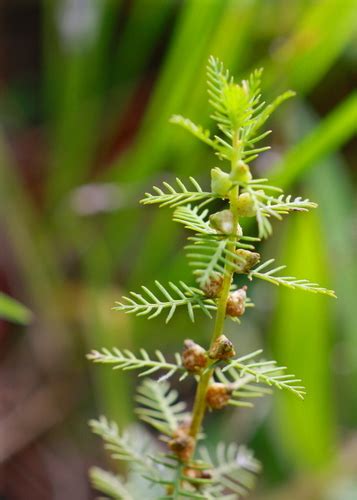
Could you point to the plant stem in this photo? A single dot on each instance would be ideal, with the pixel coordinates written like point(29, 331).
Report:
point(199, 407)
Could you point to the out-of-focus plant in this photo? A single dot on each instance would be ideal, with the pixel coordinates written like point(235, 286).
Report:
point(12, 310)
point(217, 252)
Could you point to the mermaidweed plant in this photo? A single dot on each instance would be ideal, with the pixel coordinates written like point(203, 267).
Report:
point(217, 251)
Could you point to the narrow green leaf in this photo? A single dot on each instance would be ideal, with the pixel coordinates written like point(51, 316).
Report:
point(12, 310)
point(300, 335)
point(326, 137)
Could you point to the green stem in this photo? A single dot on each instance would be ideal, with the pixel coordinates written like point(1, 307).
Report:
point(199, 407)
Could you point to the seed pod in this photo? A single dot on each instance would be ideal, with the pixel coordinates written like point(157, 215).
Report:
point(236, 303)
point(218, 395)
point(182, 444)
point(245, 205)
point(246, 260)
point(223, 222)
point(220, 182)
point(222, 348)
point(240, 172)
point(194, 357)
point(213, 286)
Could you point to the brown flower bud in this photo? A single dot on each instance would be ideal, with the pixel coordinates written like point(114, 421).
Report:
point(192, 473)
point(182, 445)
point(206, 474)
point(222, 348)
point(218, 395)
point(212, 288)
point(194, 357)
point(245, 260)
point(236, 302)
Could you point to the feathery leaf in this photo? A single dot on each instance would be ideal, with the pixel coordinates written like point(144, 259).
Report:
point(208, 256)
point(234, 470)
point(126, 360)
point(173, 197)
point(159, 406)
point(192, 219)
point(121, 446)
point(196, 130)
point(109, 484)
point(266, 372)
point(288, 281)
point(149, 304)
point(267, 206)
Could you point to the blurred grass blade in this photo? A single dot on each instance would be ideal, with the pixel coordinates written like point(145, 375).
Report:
point(333, 190)
point(12, 310)
point(322, 34)
point(192, 33)
point(329, 135)
point(78, 81)
point(140, 36)
point(300, 336)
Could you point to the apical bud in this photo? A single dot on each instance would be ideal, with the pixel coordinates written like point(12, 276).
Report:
point(245, 205)
point(218, 396)
point(222, 348)
point(220, 182)
point(194, 357)
point(236, 303)
point(223, 222)
point(213, 286)
point(240, 172)
point(246, 260)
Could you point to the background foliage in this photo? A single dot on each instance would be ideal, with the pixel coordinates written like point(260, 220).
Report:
point(87, 90)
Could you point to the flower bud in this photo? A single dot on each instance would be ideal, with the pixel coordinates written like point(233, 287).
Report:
point(245, 260)
point(194, 357)
point(222, 348)
point(218, 396)
point(223, 222)
point(220, 182)
point(197, 473)
point(182, 444)
point(240, 172)
point(213, 286)
point(245, 205)
point(236, 303)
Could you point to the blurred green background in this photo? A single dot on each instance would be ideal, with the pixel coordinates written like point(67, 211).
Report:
point(86, 91)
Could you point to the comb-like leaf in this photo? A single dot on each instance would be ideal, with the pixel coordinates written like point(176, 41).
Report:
point(267, 206)
point(126, 360)
point(234, 470)
point(172, 196)
point(266, 372)
point(288, 281)
point(109, 484)
point(159, 406)
point(121, 445)
point(169, 298)
point(194, 219)
point(196, 130)
point(209, 256)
